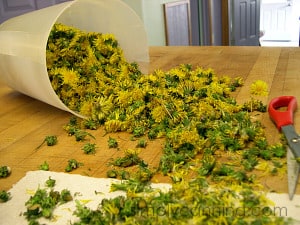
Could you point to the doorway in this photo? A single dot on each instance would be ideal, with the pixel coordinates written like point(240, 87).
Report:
point(279, 23)
point(228, 22)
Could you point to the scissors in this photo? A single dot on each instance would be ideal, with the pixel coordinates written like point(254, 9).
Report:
point(284, 120)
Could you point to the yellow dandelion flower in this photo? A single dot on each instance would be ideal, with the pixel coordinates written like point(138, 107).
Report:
point(69, 77)
point(159, 73)
point(177, 72)
point(86, 108)
point(98, 42)
point(130, 151)
point(114, 125)
point(111, 70)
point(74, 40)
point(108, 37)
point(159, 113)
point(259, 88)
point(124, 70)
point(124, 99)
point(225, 79)
point(137, 94)
point(215, 88)
point(152, 78)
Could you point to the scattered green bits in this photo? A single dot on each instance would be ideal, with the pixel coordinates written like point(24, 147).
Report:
point(43, 202)
point(112, 173)
point(49, 140)
point(208, 164)
point(142, 143)
point(112, 142)
point(131, 158)
point(5, 171)
point(44, 166)
point(81, 135)
point(72, 165)
point(65, 196)
point(125, 175)
point(89, 148)
point(4, 196)
point(50, 182)
point(91, 124)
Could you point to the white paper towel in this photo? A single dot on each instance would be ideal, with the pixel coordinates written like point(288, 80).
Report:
point(87, 187)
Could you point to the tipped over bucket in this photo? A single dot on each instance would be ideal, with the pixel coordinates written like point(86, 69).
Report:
point(23, 42)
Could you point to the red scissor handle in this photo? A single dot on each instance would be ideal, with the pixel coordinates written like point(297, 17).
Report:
point(282, 118)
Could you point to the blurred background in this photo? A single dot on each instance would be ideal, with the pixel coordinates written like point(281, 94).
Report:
point(201, 22)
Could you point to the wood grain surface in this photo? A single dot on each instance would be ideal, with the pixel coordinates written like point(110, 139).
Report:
point(25, 122)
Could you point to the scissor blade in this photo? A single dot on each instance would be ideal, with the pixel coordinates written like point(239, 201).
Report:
point(293, 169)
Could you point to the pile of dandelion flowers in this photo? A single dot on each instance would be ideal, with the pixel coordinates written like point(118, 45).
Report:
point(82, 61)
point(121, 98)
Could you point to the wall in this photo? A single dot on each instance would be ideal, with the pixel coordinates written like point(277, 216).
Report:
point(136, 5)
point(150, 11)
point(9, 8)
point(152, 14)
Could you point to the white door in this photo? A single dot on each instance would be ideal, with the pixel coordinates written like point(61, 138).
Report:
point(280, 22)
point(275, 20)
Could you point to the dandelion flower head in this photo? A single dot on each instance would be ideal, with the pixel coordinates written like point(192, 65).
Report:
point(259, 88)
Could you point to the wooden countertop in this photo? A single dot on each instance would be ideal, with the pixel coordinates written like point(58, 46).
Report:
point(25, 122)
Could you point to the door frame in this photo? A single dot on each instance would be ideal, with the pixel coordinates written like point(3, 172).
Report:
point(225, 22)
point(214, 30)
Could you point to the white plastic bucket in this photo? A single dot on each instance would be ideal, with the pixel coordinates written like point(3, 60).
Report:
point(23, 42)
